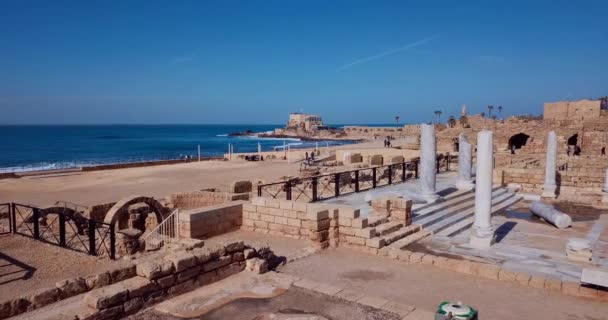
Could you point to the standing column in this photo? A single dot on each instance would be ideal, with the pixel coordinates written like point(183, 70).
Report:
point(259, 151)
point(483, 234)
point(550, 185)
point(428, 158)
point(199, 152)
point(465, 180)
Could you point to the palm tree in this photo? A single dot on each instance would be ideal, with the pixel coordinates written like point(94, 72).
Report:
point(397, 119)
point(438, 115)
point(490, 108)
point(500, 111)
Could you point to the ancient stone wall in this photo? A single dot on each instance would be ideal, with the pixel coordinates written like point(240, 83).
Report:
point(299, 220)
point(564, 110)
point(209, 221)
point(198, 199)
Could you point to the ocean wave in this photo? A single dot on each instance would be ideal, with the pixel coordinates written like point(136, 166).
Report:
point(222, 135)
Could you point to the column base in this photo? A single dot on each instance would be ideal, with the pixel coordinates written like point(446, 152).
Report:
point(549, 192)
point(430, 197)
point(465, 185)
point(482, 243)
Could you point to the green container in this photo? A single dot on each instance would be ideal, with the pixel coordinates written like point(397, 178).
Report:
point(459, 311)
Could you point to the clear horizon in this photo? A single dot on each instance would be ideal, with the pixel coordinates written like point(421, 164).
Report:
point(254, 62)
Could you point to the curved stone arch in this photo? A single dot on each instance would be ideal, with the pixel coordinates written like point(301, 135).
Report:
point(70, 214)
point(122, 206)
point(518, 140)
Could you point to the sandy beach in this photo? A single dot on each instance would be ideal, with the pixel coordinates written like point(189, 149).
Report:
point(88, 188)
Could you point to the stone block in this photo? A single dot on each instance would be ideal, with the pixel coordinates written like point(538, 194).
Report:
point(272, 203)
point(355, 240)
point(345, 222)
point(215, 264)
point(416, 257)
point(522, 278)
point(327, 289)
point(366, 233)
point(380, 203)
point(71, 287)
point(229, 270)
point(404, 255)
point(306, 284)
point(165, 282)
point(359, 223)
point(258, 201)
point(98, 280)
point(183, 287)
point(154, 269)
point(286, 204)
point(207, 278)
point(316, 215)
point(489, 271)
point(398, 308)
point(133, 305)
point(106, 297)
point(138, 286)
point(507, 275)
point(248, 207)
point(238, 257)
point(107, 314)
point(428, 259)
point(349, 295)
point(570, 288)
point(537, 282)
point(376, 243)
point(319, 236)
point(587, 292)
point(374, 302)
point(188, 274)
point(234, 246)
point(42, 297)
point(256, 265)
point(348, 213)
point(553, 284)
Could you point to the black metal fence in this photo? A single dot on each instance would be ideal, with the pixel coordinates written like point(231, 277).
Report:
point(333, 185)
point(59, 228)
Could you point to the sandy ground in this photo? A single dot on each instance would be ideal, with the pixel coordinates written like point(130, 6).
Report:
point(27, 265)
point(96, 187)
point(425, 287)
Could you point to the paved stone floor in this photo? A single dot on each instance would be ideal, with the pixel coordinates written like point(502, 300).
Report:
point(425, 287)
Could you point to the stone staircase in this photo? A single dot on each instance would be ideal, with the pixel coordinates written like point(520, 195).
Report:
point(455, 213)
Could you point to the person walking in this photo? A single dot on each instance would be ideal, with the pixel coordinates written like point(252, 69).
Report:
point(603, 151)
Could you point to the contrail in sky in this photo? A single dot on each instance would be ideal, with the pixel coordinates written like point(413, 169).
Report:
point(386, 53)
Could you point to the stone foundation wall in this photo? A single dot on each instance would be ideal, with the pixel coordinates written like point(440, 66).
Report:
point(299, 220)
point(210, 221)
point(204, 198)
point(176, 273)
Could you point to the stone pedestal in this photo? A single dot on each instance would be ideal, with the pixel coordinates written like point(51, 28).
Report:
point(550, 186)
point(428, 166)
point(465, 179)
point(482, 235)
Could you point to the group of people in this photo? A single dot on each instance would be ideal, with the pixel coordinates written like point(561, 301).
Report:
point(574, 150)
point(310, 157)
point(387, 141)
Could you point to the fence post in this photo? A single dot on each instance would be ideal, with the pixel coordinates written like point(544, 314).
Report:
point(35, 215)
point(374, 177)
point(92, 249)
point(112, 242)
point(259, 191)
point(288, 190)
point(13, 215)
point(61, 230)
point(403, 174)
point(357, 181)
point(315, 184)
point(337, 184)
point(390, 174)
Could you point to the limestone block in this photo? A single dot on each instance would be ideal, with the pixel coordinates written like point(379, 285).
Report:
point(107, 297)
point(416, 257)
point(375, 243)
point(71, 287)
point(220, 262)
point(286, 204)
point(570, 288)
point(272, 203)
point(587, 292)
point(121, 273)
point(188, 274)
point(553, 284)
point(359, 223)
point(133, 305)
point(376, 160)
point(98, 280)
point(348, 212)
point(380, 203)
point(207, 278)
point(259, 201)
point(230, 270)
point(355, 240)
point(428, 259)
point(183, 287)
point(316, 215)
point(43, 297)
point(256, 265)
point(366, 233)
point(523, 278)
point(138, 286)
point(153, 270)
point(165, 282)
point(507, 275)
point(404, 255)
point(319, 236)
point(537, 282)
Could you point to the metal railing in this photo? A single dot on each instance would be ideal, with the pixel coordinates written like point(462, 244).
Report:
point(322, 187)
point(62, 229)
point(168, 228)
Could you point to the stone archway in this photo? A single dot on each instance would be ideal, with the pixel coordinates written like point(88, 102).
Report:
point(70, 214)
point(573, 140)
point(121, 208)
point(519, 140)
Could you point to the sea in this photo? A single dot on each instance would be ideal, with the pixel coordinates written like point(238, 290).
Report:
point(51, 147)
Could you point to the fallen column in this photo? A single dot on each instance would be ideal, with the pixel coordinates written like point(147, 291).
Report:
point(551, 215)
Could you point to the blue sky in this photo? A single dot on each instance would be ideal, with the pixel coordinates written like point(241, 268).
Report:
point(256, 61)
